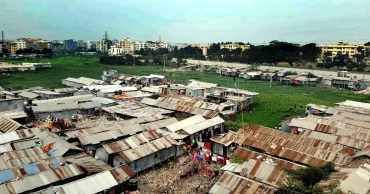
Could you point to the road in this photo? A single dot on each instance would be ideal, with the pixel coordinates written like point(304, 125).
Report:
point(282, 69)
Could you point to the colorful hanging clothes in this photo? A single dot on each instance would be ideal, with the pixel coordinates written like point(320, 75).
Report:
point(48, 147)
point(194, 158)
point(208, 145)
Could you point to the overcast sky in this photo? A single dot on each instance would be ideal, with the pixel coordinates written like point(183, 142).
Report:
point(191, 21)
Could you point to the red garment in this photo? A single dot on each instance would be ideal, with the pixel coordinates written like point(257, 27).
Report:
point(48, 147)
point(208, 145)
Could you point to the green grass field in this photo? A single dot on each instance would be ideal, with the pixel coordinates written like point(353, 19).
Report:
point(273, 104)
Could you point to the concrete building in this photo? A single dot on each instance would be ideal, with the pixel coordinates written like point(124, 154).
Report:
point(13, 48)
point(126, 45)
point(31, 43)
point(70, 45)
point(21, 44)
point(41, 44)
point(204, 48)
point(341, 47)
point(115, 51)
point(234, 46)
point(138, 45)
point(101, 46)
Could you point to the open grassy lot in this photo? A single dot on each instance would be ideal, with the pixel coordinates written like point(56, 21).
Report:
point(273, 104)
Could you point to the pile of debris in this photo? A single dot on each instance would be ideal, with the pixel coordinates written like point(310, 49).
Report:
point(365, 91)
point(182, 176)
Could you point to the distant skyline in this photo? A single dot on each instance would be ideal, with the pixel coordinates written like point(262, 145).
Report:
point(191, 21)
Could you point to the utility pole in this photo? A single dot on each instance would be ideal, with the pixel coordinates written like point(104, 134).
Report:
point(2, 39)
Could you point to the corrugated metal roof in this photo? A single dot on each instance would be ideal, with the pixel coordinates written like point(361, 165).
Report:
point(122, 173)
point(60, 146)
point(264, 168)
point(8, 125)
point(204, 125)
point(24, 170)
point(65, 90)
point(160, 124)
point(19, 145)
point(225, 140)
point(20, 157)
point(98, 182)
point(88, 185)
point(109, 132)
point(131, 142)
point(205, 109)
point(64, 100)
point(44, 178)
point(92, 165)
point(302, 123)
point(13, 114)
point(232, 183)
point(294, 147)
point(28, 95)
point(185, 123)
point(147, 149)
point(18, 135)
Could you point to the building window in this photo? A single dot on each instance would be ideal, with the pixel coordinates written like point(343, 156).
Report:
point(15, 106)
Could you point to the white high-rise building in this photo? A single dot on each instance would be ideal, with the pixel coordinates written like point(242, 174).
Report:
point(101, 46)
point(138, 45)
point(21, 44)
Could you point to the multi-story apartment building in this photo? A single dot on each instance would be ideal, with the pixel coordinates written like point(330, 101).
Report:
point(31, 43)
point(81, 44)
point(41, 44)
point(163, 45)
point(70, 45)
point(204, 48)
point(138, 45)
point(127, 45)
point(234, 46)
point(13, 48)
point(21, 44)
point(114, 51)
point(101, 46)
point(344, 48)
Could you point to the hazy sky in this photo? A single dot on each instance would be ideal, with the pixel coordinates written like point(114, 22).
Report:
point(191, 21)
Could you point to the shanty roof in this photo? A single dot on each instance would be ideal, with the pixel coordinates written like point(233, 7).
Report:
point(47, 92)
point(117, 88)
point(185, 123)
point(264, 168)
point(131, 142)
point(66, 90)
point(152, 89)
point(225, 140)
point(7, 125)
point(160, 124)
point(296, 147)
point(98, 182)
point(355, 104)
point(19, 145)
point(60, 146)
point(232, 183)
point(18, 135)
point(141, 111)
point(149, 101)
point(203, 125)
point(109, 132)
point(28, 95)
point(42, 179)
point(64, 100)
point(19, 157)
point(13, 114)
point(23, 170)
point(302, 123)
point(201, 84)
point(205, 109)
point(147, 149)
point(91, 80)
point(80, 81)
point(91, 164)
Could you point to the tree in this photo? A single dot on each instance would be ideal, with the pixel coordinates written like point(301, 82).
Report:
point(310, 52)
point(367, 44)
point(304, 180)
